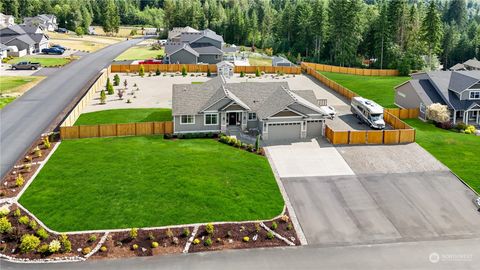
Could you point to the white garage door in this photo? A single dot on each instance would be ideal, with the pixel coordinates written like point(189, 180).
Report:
point(314, 128)
point(284, 131)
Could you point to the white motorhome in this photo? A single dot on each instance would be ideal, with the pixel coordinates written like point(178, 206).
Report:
point(368, 111)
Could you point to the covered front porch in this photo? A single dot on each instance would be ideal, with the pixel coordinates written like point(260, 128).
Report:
point(469, 117)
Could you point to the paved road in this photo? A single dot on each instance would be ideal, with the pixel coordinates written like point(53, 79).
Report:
point(24, 120)
point(452, 254)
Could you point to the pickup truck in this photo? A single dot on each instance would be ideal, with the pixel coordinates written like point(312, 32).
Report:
point(26, 65)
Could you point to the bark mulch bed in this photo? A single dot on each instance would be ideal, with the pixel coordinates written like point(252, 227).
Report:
point(120, 244)
point(9, 242)
point(285, 228)
point(8, 186)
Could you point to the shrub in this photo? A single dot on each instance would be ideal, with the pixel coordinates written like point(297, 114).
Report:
point(42, 233)
point(103, 97)
point(133, 32)
point(5, 225)
point(209, 74)
point(150, 236)
point(43, 249)
point(23, 220)
point(169, 233)
point(109, 87)
point(33, 224)
point(28, 166)
point(133, 233)
point(154, 244)
point(157, 72)
point(38, 152)
point(79, 31)
point(274, 226)
point(207, 242)
point(196, 241)
point(438, 113)
point(125, 83)
point(4, 211)
point(186, 232)
point(289, 227)
point(285, 218)
point(141, 71)
point(470, 130)
point(445, 125)
point(257, 227)
point(268, 51)
point(135, 246)
point(184, 71)
point(67, 245)
point(175, 240)
point(54, 246)
point(461, 126)
point(242, 74)
point(257, 143)
point(246, 239)
point(17, 212)
point(46, 142)
point(257, 72)
point(250, 147)
point(127, 71)
point(28, 243)
point(270, 235)
point(209, 228)
point(92, 238)
point(129, 101)
point(86, 250)
point(116, 80)
point(103, 249)
point(120, 93)
point(28, 158)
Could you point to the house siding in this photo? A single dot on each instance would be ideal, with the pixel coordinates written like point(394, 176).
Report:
point(209, 58)
point(21, 45)
point(407, 97)
point(183, 57)
point(205, 41)
point(302, 109)
point(197, 127)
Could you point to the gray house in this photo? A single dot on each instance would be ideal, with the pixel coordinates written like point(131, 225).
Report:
point(24, 37)
point(190, 46)
point(46, 21)
point(279, 61)
point(471, 64)
point(459, 90)
point(270, 109)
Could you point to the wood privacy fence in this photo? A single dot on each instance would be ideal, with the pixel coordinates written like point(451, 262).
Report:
point(116, 130)
point(349, 94)
point(403, 113)
point(97, 86)
point(203, 68)
point(353, 71)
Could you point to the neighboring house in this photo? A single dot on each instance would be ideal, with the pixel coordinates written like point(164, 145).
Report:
point(279, 61)
point(91, 30)
point(270, 109)
point(46, 21)
point(472, 64)
point(3, 51)
point(190, 46)
point(25, 37)
point(225, 69)
point(6, 20)
point(459, 90)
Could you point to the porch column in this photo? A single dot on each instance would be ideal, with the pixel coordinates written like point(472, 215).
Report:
point(223, 122)
point(465, 117)
point(244, 116)
point(303, 129)
point(478, 117)
point(454, 117)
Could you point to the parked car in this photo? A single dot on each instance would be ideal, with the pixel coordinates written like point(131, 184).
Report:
point(62, 30)
point(476, 201)
point(330, 111)
point(59, 47)
point(150, 62)
point(53, 50)
point(26, 65)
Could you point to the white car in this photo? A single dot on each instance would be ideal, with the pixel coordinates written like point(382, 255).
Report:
point(329, 110)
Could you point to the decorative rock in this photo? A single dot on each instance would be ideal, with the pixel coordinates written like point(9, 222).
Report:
point(292, 238)
point(175, 240)
point(79, 249)
point(144, 249)
point(255, 237)
point(230, 241)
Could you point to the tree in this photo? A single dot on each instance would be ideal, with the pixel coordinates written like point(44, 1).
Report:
point(116, 80)
point(319, 28)
point(111, 18)
point(141, 71)
point(11, 7)
point(432, 31)
point(184, 71)
point(438, 113)
point(79, 31)
point(103, 97)
point(456, 12)
point(109, 87)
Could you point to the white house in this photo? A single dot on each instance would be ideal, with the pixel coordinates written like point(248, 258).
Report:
point(225, 69)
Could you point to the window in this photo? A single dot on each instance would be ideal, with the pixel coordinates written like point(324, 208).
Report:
point(211, 119)
point(475, 95)
point(423, 108)
point(252, 116)
point(187, 119)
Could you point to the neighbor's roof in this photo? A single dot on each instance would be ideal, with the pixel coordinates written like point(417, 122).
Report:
point(191, 37)
point(207, 50)
point(24, 38)
point(472, 63)
point(15, 28)
point(31, 29)
point(458, 67)
point(461, 80)
point(3, 47)
point(278, 59)
point(174, 47)
point(38, 37)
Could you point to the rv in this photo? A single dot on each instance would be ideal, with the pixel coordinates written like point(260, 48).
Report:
point(368, 111)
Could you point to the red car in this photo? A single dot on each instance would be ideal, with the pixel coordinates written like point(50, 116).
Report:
point(150, 62)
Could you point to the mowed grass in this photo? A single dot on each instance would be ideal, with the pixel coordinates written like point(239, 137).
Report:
point(126, 182)
point(140, 53)
point(457, 151)
point(377, 88)
point(118, 116)
point(9, 84)
point(44, 61)
point(259, 61)
point(5, 100)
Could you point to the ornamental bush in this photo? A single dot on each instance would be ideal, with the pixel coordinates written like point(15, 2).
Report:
point(257, 227)
point(209, 228)
point(4, 211)
point(141, 71)
point(17, 212)
point(103, 249)
point(209, 74)
point(67, 245)
point(86, 250)
point(169, 233)
point(157, 72)
point(33, 224)
point(186, 232)
point(196, 241)
point(43, 248)
point(5, 225)
point(184, 71)
point(46, 142)
point(103, 97)
point(246, 239)
point(257, 72)
point(116, 80)
point(207, 242)
point(274, 226)
point(54, 246)
point(289, 227)
point(133, 233)
point(38, 152)
point(242, 74)
point(270, 235)
point(28, 243)
point(109, 87)
point(438, 113)
point(135, 246)
point(24, 220)
point(92, 238)
point(42, 233)
point(19, 181)
point(154, 244)
point(150, 236)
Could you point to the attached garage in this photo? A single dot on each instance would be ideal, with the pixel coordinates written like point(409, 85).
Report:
point(284, 131)
point(314, 128)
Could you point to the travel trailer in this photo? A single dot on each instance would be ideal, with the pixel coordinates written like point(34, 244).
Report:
point(368, 111)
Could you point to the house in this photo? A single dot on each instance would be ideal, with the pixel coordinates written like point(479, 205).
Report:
point(6, 20)
point(269, 109)
point(46, 21)
point(25, 37)
point(225, 69)
point(3, 51)
point(279, 61)
point(472, 64)
point(190, 46)
point(459, 90)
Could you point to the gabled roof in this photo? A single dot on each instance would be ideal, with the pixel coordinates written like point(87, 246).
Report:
point(458, 67)
point(24, 38)
point(208, 50)
point(460, 81)
point(31, 29)
point(39, 37)
point(278, 59)
point(3, 47)
point(174, 47)
point(13, 28)
point(191, 37)
point(472, 63)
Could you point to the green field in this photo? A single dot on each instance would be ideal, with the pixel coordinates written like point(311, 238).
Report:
point(5, 100)
point(140, 53)
point(9, 84)
point(259, 61)
point(44, 61)
point(125, 182)
point(119, 116)
point(457, 151)
point(377, 88)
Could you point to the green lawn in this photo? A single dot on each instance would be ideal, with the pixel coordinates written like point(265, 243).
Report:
point(377, 88)
point(457, 151)
point(10, 84)
point(125, 182)
point(118, 116)
point(140, 53)
point(259, 61)
point(5, 100)
point(44, 61)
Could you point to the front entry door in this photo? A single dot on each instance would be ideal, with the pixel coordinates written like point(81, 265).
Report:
point(232, 119)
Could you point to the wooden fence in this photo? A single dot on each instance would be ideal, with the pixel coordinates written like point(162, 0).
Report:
point(203, 68)
point(353, 71)
point(116, 130)
point(97, 86)
point(403, 113)
point(395, 136)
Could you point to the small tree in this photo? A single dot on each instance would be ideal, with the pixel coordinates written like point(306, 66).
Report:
point(257, 72)
point(116, 80)
point(133, 32)
point(79, 31)
point(438, 113)
point(125, 83)
point(257, 143)
point(242, 74)
point(157, 72)
point(184, 71)
point(269, 51)
point(208, 72)
point(103, 97)
point(109, 87)
point(141, 72)
point(120, 93)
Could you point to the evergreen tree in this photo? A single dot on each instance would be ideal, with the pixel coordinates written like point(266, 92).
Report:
point(11, 7)
point(432, 30)
point(141, 71)
point(109, 87)
point(456, 12)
